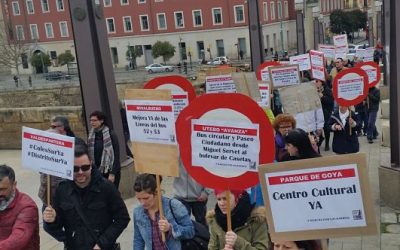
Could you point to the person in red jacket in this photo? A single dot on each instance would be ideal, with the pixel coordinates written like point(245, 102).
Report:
point(19, 217)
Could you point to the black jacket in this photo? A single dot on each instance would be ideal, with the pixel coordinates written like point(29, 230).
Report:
point(327, 102)
point(98, 150)
point(374, 96)
point(102, 206)
point(343, 142)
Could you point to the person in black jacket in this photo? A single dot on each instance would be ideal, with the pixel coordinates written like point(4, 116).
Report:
point(103, 214)
point(373, 98)
point(344, 141)
point(325, 93)
point(104, 148)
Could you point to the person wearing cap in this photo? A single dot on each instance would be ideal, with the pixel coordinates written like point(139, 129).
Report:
point(249, 223)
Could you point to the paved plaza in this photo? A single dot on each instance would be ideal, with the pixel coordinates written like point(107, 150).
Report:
point(388, 221)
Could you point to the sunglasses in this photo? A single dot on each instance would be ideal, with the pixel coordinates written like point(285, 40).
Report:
point(55, 126)
point(84, 168)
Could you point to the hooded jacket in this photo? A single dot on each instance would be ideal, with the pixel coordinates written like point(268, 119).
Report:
point(19, 224)
point(102, 206)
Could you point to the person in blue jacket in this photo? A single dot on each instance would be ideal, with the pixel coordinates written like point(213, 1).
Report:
point(149, 225)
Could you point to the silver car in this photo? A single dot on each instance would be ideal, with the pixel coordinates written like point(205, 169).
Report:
point(156, 68)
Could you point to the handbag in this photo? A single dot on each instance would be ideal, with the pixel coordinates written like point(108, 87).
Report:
point(201, 235)
point(116, 246)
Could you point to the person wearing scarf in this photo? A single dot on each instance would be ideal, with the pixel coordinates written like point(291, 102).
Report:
point(104, 148)
point(249, 224)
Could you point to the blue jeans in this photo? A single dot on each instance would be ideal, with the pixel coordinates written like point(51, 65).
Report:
point(371, 128)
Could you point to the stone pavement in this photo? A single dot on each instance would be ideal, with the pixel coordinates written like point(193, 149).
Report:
point(388, 221)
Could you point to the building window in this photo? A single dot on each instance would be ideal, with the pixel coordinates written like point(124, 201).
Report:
point(239, 13)
point(24, 60)
point(110, 25)
point(124, 2)
point(157, 1)
point(179, 21)
point(217, 16)
point(16, 10)
point(29, 7)
point(279, 10)
point(144, 22)
point(34, 31)
point(127, 23)
point(197, 19)
point(141, 1)
point(60, 5)
point(64, 29)
point(286, 9)
point(272, 8)
point(45, 6)
point(20, 32)
point(265, 4)
point(49, 30)
point(220, 47)
point(107, 3)
point(161, 21)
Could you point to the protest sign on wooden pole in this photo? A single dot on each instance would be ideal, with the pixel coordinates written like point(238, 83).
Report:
point(228, 210)
point(48, 190)
point(284, 76)
point(318, 198)
point(160, 207)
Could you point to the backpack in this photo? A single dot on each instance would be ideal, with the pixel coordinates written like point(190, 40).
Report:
point(201, 235)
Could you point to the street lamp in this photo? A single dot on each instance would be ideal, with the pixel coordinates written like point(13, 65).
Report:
point(370, 27)
point(315, 14)
point(281, 23)
point(301, 40)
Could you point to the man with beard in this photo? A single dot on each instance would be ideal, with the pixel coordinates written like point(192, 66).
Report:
point(19, 217)
point(89, 208)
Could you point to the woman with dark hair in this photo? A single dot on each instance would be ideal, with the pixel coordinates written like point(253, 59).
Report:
point(327, 102)
point(298, 145)
point(148, 224)
point(61, 124)
point(298, 245)
point(104, 148)
point(249, 224)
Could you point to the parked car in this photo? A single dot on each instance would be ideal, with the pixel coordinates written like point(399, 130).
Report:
point(156, 68)
point(57, 75)
point(219, 60)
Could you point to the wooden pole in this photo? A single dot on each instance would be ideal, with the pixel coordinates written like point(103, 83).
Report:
point(349, 121)
point(48, 190)
point(228, 210)
point(160, 207)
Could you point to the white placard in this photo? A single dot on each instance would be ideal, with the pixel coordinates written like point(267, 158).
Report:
point(316, 198)
point(328, 50)
point(360, 54)
point(265, 74)
point(350, 88)
point(302, 60)
point(341, 52)
point(225, 146)
point(340, 40)
point(265, 95)
point(180, 100)
point(369, 54)
point(48, 152)
point(284, 76)
point(372, 73)
point(220, 84)
point(151, 121)
point(317, 65)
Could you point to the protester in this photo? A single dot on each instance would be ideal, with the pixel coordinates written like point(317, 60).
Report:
point(362, 121)
point(89, 208)
point(249, 224)
point(193, 195)
point(61, 124)
point(299, 145)
point(104, 148)
point(373, 98)
point(298, 245)
point(339, 66)
point(325, 93)
point(283, 124)
point(148, 225)
point(342, 122)
point(19, 217)
point(313, 122)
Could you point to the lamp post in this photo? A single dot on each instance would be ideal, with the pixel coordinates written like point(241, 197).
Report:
point(371, 27)
point(301, 41)
point(281, 23)
point(316, 24)
point(378, 8)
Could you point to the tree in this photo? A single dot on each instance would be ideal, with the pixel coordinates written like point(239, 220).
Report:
point(40, 59)
point(348, 22)
point(65, 58)
point(131, 54)
point(12, 49)
point(164, 49)
point(358, 19)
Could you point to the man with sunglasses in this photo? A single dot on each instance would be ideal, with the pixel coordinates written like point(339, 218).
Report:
point(89, 208)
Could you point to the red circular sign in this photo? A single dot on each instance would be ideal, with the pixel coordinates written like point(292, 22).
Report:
point(366, 66)
point(235, 102)
point(263, 66)
point(179, 81)
point(349, 74)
